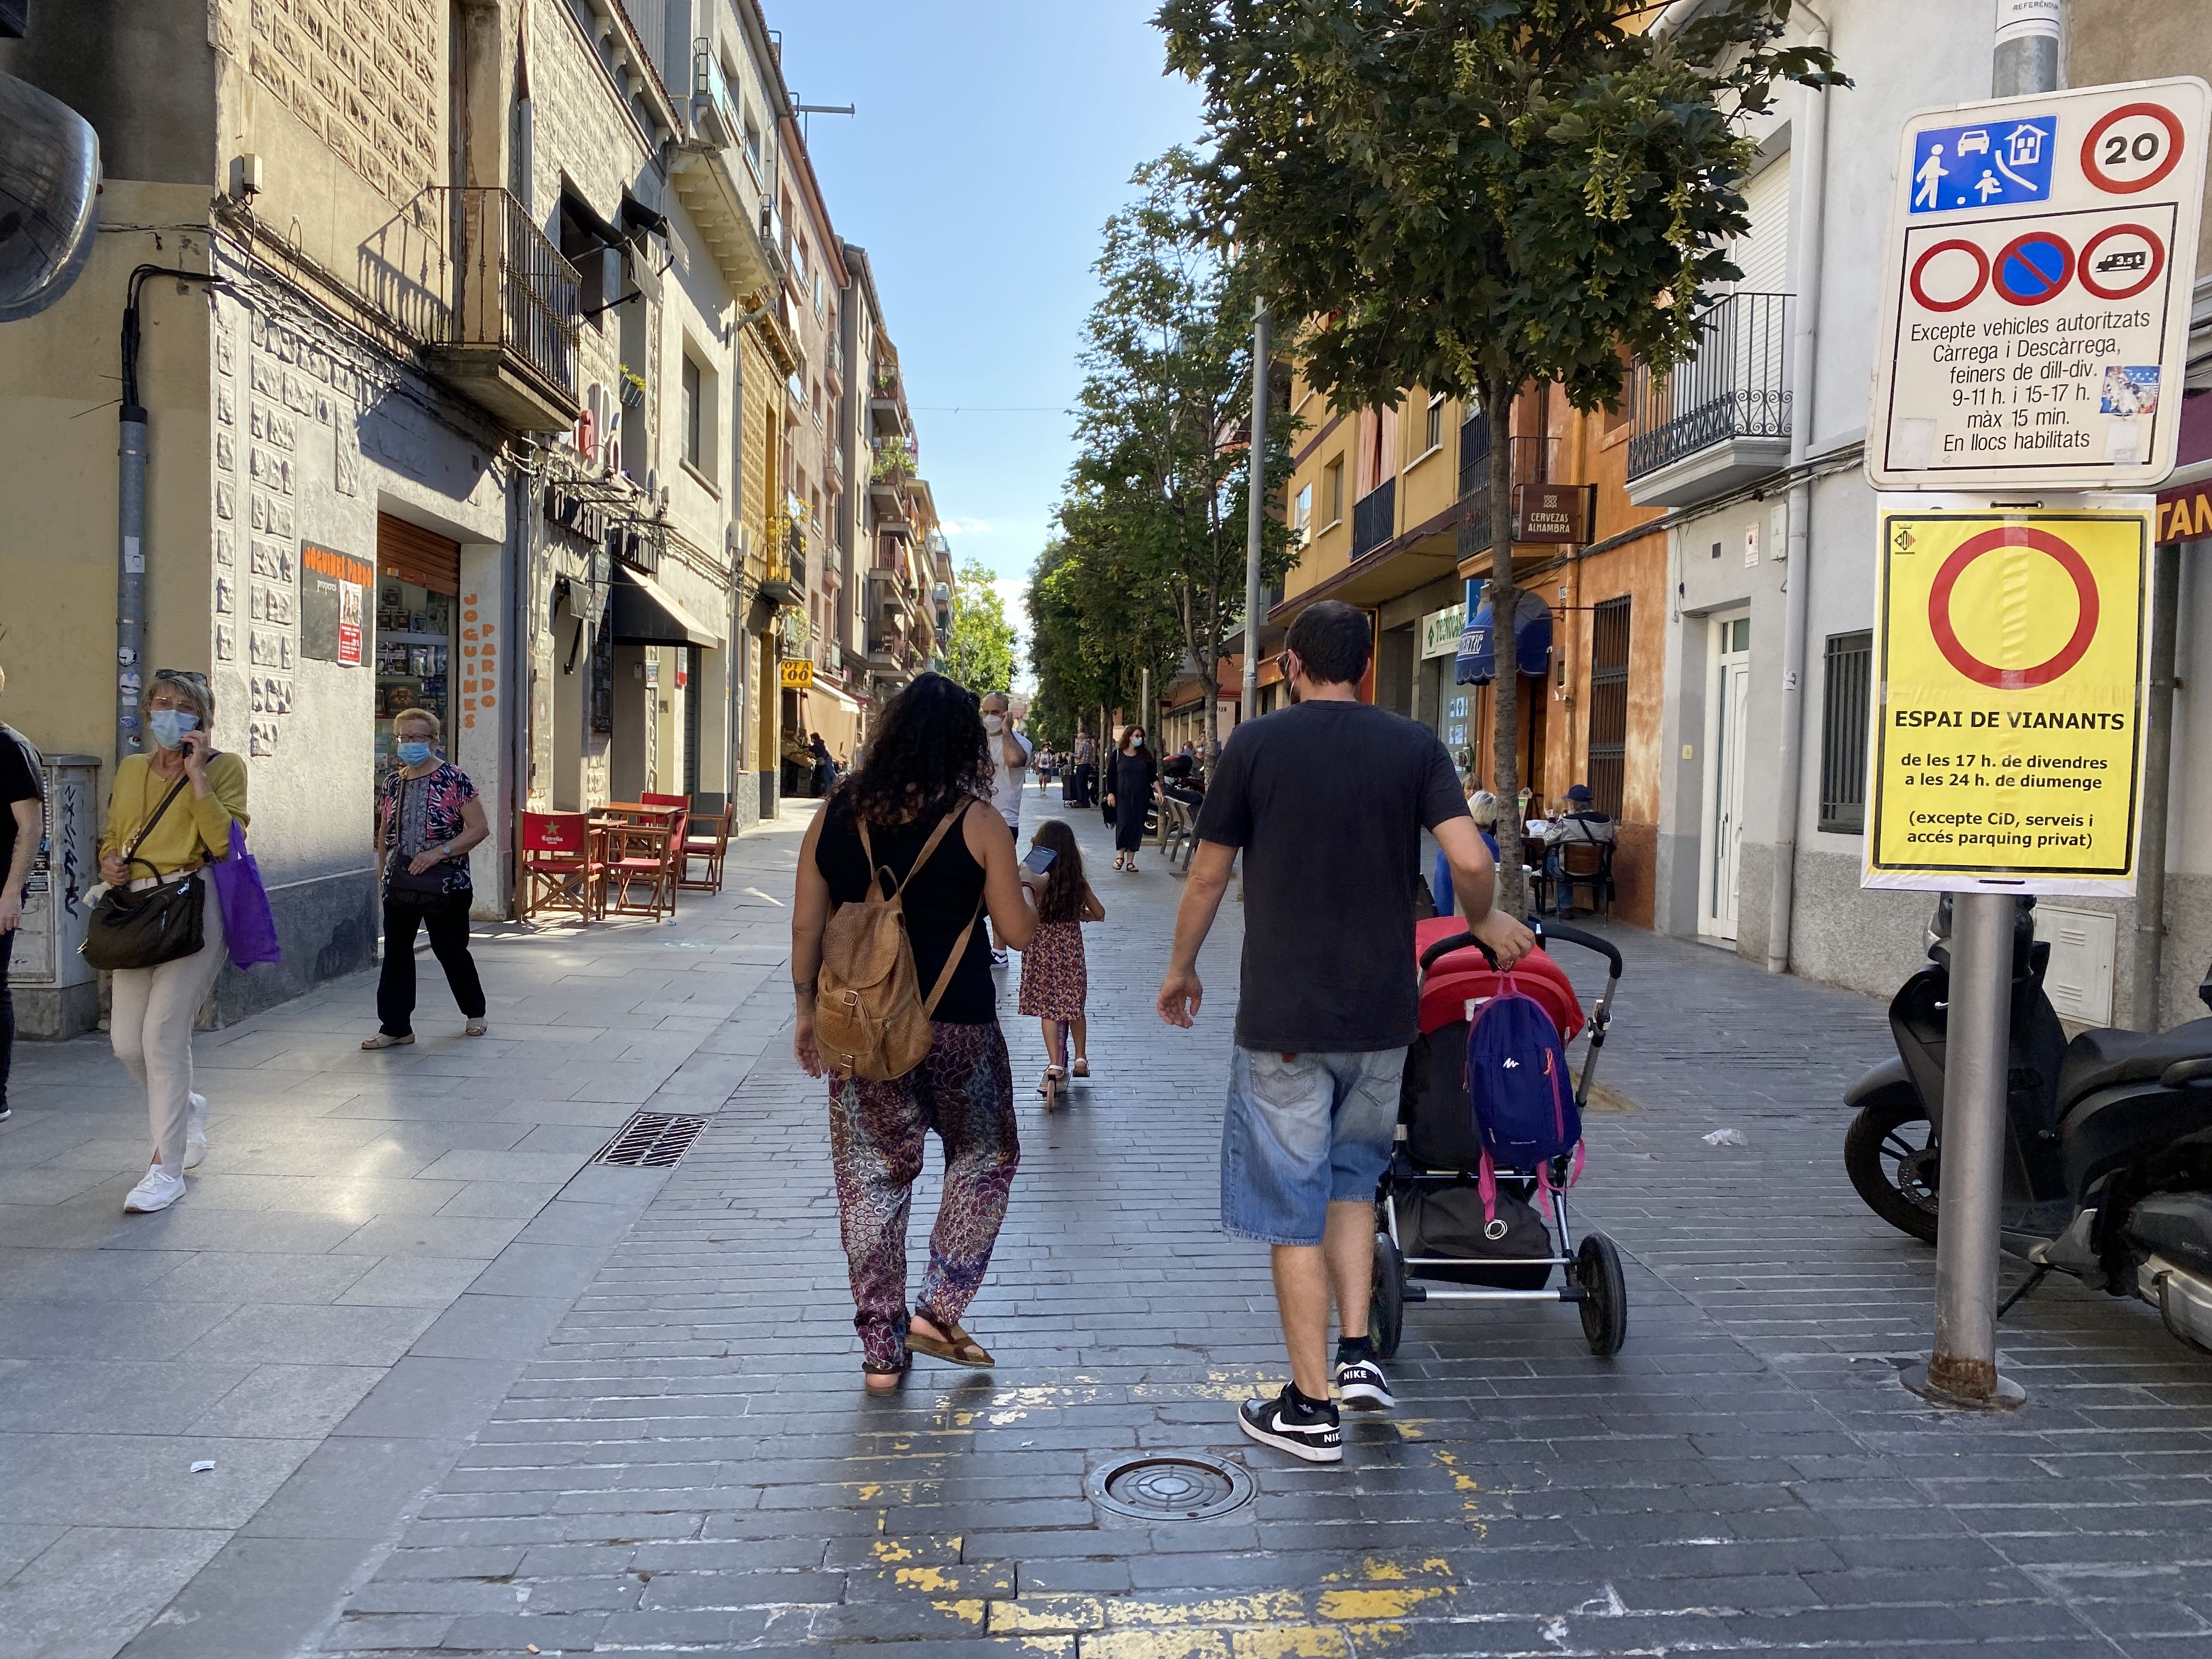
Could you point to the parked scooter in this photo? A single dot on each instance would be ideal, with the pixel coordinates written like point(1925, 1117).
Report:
point(2108, 1148)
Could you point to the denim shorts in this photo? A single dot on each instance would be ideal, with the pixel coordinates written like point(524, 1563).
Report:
point(1303, 1132)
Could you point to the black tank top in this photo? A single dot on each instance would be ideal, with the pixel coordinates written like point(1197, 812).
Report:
point(939, 901)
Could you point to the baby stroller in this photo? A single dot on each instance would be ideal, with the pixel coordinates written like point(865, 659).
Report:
point(1431, 1223)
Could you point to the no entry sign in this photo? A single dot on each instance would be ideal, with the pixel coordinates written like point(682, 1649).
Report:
point(2007, 725)
point(2035, 309)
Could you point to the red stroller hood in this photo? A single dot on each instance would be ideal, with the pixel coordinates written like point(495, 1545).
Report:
point(1448, 984)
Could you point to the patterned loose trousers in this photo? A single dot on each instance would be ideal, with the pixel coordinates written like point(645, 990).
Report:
point(965, 1091)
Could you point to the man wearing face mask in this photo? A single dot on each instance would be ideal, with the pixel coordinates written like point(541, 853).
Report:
point(168, 815)
point(1010, 759)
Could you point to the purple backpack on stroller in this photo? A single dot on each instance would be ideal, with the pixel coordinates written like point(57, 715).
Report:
point(1525, 1113)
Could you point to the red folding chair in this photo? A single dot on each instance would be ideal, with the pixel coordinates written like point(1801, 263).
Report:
point(556, 870)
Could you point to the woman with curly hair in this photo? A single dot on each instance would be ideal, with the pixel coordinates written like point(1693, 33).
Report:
point(926, 768)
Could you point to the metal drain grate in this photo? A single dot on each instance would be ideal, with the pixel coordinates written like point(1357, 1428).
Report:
point(1181, 1486)
point(652, 1140)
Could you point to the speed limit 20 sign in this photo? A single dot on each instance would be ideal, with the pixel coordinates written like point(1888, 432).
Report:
point(2035, 310)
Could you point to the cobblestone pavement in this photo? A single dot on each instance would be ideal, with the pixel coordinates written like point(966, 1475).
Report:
point(689, 1464)
point(375, 1245)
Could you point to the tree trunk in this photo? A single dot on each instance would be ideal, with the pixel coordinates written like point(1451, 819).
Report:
point(1505, 656)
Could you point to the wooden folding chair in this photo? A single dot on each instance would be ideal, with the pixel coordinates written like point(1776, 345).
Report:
point(556, 870)
point(708, 838)
point(1583, 864)
point(637, 856)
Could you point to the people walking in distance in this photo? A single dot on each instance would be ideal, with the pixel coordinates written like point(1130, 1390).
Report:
point(1009, 757)
point(1046, 762)
point(1087, 766)
point(824, 777)
point(1327, 799)
point(1056, 978)
point(23, 828)
point(1131, 775)
point(169, 814)
point(427, 817)
point(903, 821)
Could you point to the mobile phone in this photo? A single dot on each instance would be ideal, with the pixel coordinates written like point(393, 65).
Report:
point(1039, 860)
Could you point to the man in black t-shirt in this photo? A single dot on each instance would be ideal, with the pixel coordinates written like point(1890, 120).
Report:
point(23, 825)
point(1327, 799)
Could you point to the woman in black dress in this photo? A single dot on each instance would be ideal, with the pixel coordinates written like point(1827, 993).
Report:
point(1129, 778)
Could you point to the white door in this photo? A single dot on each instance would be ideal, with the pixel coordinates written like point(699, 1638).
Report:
point(1729, 713)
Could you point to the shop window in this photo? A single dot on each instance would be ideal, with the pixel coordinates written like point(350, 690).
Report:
point(1850, 667)
point(1609, 705)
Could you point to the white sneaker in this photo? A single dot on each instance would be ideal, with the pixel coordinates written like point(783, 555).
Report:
point(159, 1190)
point(195, 1132)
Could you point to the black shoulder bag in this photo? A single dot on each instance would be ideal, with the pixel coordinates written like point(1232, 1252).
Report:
point(146, 929)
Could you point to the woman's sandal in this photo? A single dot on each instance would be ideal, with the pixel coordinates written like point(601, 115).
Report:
point(475, 1028)
point(885, 1379)
point(951, 1345)
point(386, 1040)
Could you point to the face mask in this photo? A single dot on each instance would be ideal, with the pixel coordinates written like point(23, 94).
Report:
point(993, 723)
point(1137, 742)
point(170, 725)
point(414, 754)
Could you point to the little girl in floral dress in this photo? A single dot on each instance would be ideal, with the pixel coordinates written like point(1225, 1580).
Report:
point(1054, 979)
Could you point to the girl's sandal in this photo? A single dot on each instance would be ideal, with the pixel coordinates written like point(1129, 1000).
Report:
point(951, 1345)
point(1081, 1068)
point(386, 1040)
point(1050, 1085)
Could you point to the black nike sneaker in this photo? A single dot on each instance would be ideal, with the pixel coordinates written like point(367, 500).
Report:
point(1304, 1431)
point(1363, 1387)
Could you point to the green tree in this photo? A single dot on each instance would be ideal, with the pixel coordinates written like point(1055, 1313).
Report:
point(1152, 560)
point(981, 653)
point(1474, 196)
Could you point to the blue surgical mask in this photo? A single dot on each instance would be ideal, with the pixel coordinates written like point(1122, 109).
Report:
point(414, 754)
point(170, 725)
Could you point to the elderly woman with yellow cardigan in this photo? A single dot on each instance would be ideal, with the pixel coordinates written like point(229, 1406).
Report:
point(153, 1009)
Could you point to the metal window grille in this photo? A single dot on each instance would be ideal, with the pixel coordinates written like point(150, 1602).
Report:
point(1850, 664)
point(1608, 704)
point(1373, 518)
point(694, 697)
point(1473, 452)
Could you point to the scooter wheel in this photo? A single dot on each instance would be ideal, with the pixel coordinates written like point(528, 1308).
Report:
point(1386, 1310)
point(1605, 1295)
point(1890, 1154)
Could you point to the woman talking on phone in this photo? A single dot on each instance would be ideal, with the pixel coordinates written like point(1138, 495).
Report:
point(168, 815)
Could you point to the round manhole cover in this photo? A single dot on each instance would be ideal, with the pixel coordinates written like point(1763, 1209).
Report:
point(1179, 1487)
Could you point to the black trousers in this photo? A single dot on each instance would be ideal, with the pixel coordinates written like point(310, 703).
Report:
point(1086, 778)
point(449, 942)
point(7, 1013)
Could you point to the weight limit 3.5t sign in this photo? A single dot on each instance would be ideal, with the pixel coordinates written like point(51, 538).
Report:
point(2008, 723)
point(2036, 301)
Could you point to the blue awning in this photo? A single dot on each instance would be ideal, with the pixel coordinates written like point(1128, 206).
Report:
point(1532, 634)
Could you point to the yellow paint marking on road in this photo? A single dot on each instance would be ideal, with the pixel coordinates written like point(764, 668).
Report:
point(968, 1609)
point(1049, 1647)
point(1046, 1615)
point(1000, 1420)
point(889, 1550)
point(932, 1580)
point(1157, 1644)
point(1367, 1638)
point(868, 1492)
point(1232, 1391)
point(1264, 1607)
point(1364, 1604)
point(1296, 1642)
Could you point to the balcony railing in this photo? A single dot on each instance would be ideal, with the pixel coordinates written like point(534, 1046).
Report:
point(1736, 386)
point(512, 288)
point(1532, 458)
point(1373, 518)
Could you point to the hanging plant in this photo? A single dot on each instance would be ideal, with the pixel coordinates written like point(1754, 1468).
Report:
point(632, 387)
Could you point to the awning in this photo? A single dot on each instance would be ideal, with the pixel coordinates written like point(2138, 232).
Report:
point(823, 689)
point(645, 613)
point(1476, 664)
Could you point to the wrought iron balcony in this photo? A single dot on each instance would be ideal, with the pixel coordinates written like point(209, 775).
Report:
point(1375, 517)
point(508, 342)
point(1722, 418)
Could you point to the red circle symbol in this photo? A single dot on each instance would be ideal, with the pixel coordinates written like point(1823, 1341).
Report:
point(2012, 679)
point(2159, 112)
point(2155, 263)
point(1981, 276)
point(2034, 268)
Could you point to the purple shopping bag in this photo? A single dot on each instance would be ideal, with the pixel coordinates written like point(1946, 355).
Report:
point(248, 927)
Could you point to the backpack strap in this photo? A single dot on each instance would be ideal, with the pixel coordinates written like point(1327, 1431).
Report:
point(951, 964)
point(876, 871)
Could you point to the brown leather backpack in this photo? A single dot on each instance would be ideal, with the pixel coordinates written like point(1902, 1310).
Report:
point(870, 1019)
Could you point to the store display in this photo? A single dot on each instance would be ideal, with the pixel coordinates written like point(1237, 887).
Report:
point(413, 651)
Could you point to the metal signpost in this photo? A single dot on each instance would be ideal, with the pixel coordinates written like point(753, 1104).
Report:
point(2033, 336)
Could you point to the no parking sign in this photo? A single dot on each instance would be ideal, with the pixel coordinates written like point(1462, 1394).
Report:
point(2035, 309)
point(2008, 724)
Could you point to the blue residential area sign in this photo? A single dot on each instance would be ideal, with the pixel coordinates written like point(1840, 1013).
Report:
point(1999, 163)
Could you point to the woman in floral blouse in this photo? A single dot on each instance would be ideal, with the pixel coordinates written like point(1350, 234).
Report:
point(427, 817)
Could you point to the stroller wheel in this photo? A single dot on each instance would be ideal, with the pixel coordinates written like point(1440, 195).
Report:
point(1605, 1295)
point(1386, 1311)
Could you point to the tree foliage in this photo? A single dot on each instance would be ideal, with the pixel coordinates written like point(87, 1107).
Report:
point(1148, 571)
point(981, 655)
point(1473, 196)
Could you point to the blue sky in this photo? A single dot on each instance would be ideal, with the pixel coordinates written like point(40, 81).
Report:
point(994, 138)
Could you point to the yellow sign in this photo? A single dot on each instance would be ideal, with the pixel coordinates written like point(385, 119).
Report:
point(2008, 715)
point(798, 673)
